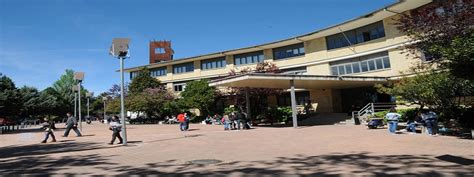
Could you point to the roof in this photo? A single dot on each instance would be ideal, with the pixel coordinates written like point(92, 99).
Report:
point(377, 15)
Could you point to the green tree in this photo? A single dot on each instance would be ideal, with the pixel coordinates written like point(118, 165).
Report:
point(150, 101)
point(10, 101)
point(436, 90)
point(198, 94)
point(443, 30)
point(143, 81)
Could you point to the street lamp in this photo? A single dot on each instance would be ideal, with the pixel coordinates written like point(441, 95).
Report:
point(105, 100)
point(88, 95)
point(74, 90)
point(79, 76)
point(119, 49)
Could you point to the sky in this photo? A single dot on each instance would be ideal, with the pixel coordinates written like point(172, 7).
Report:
point(39, 40)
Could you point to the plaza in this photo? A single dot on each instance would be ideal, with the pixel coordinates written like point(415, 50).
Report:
point(332, 150)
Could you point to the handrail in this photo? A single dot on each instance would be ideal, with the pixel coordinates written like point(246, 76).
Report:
point(371, 108)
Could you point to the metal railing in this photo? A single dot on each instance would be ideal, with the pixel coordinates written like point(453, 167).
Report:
point(371, 108)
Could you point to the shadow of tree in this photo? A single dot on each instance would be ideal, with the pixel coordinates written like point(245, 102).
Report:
point(50, 148)
point(324, 165)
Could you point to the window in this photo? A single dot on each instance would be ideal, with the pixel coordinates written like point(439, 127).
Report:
point(133, 75)
point(159, 50)
point(355, 36)
point(248, 58)
point(158, 72)
point(183, 68)
point(302, 98)
point(213, 63)
point(179, 87)
point(296, 71)
point(361, 64)
point(288, 51)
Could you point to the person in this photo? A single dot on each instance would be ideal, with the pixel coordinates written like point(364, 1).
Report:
point(182, 122)
point(71, 123)
point(392, 118)
point(48, 127)
point(237, 119)
point(232, 121)
point(430, 119)
point(208, 120)
point(226, 121)
point(187, 119)
point(116, 128)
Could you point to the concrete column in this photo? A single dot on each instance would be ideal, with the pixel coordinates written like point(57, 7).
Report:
point(247, 103)
point(293, 104)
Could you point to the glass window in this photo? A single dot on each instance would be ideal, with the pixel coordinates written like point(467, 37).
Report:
point(364, 66)
point(348, 69)
point(355, 67)
point(341, 70)
point(248, 58)
point(386, 62)
point(334, 70)
point(288, 51)
point(358, 35)
point(182, 68)
point(371, 65)
point(379, 63)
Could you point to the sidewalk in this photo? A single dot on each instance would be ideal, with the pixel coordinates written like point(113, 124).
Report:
point(164, 150)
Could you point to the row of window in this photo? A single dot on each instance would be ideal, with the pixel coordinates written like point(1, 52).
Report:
point(183, 68)
point(363, 65)
point(213, 63)
point(158, 72)
point(248, 58)
point(355, 36)
point(288, 51)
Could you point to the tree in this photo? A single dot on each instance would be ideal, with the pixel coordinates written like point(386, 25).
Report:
point(198, 94)
point(10, 101)
point(443, 31)
point(436, 90)
point(143, 81)
point(258, 95)
point(151, 101)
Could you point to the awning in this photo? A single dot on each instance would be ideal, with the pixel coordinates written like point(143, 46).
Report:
point(284, 81)
point(268, 80)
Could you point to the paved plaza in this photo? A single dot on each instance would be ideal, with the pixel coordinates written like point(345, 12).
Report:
point(334, 150)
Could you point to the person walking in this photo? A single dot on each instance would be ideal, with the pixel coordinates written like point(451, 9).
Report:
point(187, 119)
point(48, 126)
point(182, 122)
point(116, 128)
point(71, 123)
point(430, 119)
point(238, 118)
point(392, 118)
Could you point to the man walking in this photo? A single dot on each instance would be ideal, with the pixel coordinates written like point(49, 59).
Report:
point(116, 128)
point(71, 123)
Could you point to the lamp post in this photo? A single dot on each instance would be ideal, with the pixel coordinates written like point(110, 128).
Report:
point(119, 49)
point(88, 95)
point(79, 76)
point(105, 100)
point(74, 89)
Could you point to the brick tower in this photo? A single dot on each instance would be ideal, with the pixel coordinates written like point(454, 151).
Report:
point(160, 51)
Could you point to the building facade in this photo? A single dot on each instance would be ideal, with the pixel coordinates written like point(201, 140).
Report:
point(367, 46)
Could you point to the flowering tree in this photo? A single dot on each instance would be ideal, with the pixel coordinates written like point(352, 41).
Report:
point(443, 31)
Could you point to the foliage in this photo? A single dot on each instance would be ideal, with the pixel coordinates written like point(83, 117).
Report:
point(257, 95)
point(229, 110)
point(198, 94)
point(9, 98)
point(407, 114)
point(151, 101)
point(443, 30)
point(275, 115)
point(437, 90)
point(143, 81)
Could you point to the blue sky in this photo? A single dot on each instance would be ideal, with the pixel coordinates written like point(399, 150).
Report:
point(40, 39)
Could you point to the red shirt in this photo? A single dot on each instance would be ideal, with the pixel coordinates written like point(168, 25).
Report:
point(181, 118)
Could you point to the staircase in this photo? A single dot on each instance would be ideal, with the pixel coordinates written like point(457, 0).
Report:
point(370, 109)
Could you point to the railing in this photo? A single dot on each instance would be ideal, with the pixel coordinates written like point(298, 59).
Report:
point(371, 108)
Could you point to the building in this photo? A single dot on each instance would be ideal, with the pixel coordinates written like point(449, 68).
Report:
point(335, 67)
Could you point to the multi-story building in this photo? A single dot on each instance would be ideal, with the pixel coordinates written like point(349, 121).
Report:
point(335, 67)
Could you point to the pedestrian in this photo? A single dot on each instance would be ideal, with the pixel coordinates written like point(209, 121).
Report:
point(116, 128)
point(187, 120)
point(238, 118)
point(430, 119)
point(232, 120)
point(182, 122)
point(71, 123)
point(226, 121)
point(392, 118)
point(48, 126)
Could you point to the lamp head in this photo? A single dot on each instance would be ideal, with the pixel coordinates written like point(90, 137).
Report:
point(79, 76)
point(119, 47)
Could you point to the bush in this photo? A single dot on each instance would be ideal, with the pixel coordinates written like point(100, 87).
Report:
point(406, 114)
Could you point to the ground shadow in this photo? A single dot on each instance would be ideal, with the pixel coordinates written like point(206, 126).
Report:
point(49, 148)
